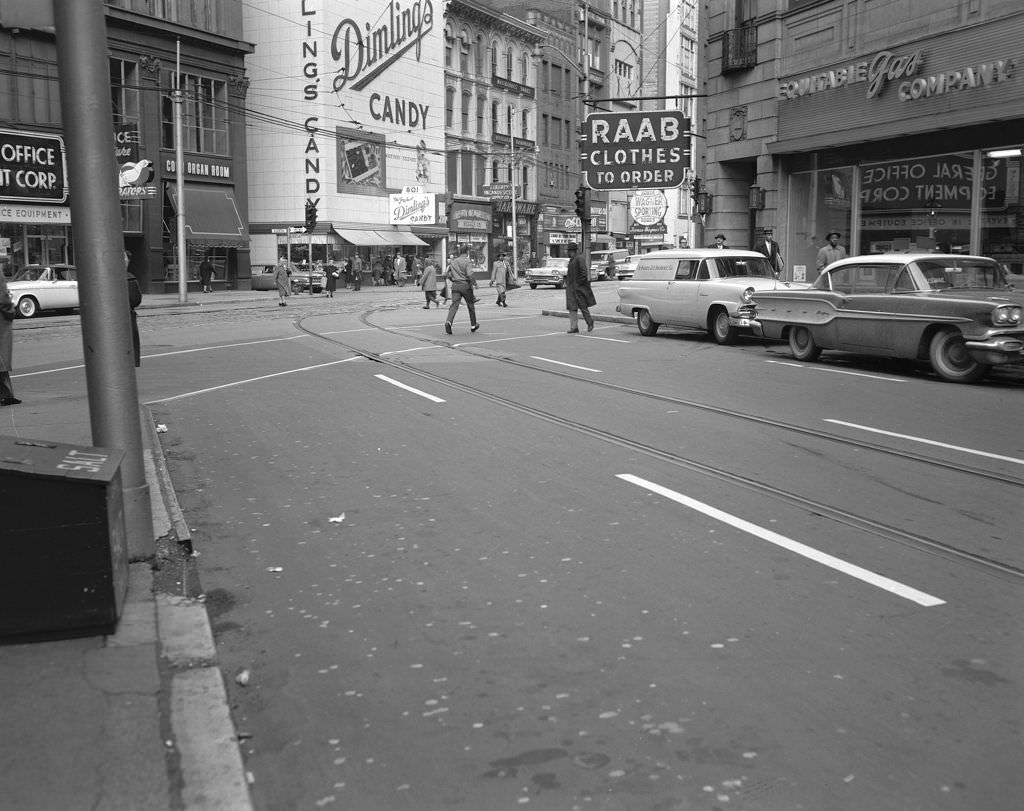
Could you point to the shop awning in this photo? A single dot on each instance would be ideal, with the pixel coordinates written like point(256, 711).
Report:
point(211, 217)
point(401, 238)
point(363, 239)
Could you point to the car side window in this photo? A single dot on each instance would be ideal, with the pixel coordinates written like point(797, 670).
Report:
point(904, 282)
point(840, 280)
point(684, 270)
point(703, 274)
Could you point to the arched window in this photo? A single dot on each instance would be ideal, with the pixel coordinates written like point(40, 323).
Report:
point(508, 63)
point(526, 126)
point(494, 118)
point(494, 58)
point(478, 57)
point(449, 105)
point(467, 101)
point(464, 53)
point(523, 70)
point(508, 119)
point(449, 42)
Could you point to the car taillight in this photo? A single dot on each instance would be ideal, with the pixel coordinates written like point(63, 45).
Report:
point(1006, 315)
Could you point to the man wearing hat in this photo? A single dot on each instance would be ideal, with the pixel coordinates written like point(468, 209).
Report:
point(499, 277)
point(578, 295)
point(720, 241)
point(770, 248)
point(832, 252)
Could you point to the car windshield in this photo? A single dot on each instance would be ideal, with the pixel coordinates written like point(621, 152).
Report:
point(31, 274)
point(953, 274)
point(556, 262)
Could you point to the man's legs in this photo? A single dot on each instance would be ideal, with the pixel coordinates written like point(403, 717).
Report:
point(574, 320)
point(588, 318)
point(453, 308)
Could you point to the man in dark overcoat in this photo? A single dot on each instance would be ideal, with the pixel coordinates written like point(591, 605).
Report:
point(579, 298)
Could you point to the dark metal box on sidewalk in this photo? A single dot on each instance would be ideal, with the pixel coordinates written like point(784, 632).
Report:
point(65, 569)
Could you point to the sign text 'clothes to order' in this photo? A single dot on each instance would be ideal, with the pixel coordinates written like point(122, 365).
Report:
point(648, 150)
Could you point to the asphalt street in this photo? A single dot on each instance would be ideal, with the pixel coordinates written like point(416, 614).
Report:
point(519, 567)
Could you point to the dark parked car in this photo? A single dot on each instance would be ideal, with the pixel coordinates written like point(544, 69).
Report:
point(957, 312)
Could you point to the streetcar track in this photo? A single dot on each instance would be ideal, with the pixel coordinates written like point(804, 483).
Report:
point(811, 506)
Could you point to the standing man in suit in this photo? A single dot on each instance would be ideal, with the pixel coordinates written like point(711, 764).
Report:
point(719, 242)
point(832, 252)
point(770, 248)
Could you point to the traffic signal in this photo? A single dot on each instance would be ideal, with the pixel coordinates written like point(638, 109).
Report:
point(582, 203)
point(310, 215)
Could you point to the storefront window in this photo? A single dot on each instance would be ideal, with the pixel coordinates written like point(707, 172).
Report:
point(821, 201)
point(1002, 232)
point(917, 204)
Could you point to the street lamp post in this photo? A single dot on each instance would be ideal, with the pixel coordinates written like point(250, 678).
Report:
point(512, 172)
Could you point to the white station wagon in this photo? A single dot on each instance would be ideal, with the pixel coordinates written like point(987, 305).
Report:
point(706, 289)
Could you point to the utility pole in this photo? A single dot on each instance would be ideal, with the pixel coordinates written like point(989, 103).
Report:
point(99, 252)
point(512, 172)
point(178, 96)
point(585, 54)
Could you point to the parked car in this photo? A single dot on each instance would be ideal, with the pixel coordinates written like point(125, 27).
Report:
point(603, 264)
point(302, 277)
point(552, 271)
point(624, 270)
point(957, 312)
point(263, 277)
point(44, 287)
point(697, 289)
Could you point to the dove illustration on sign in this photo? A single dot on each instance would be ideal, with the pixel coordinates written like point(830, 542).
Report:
point(135, 174)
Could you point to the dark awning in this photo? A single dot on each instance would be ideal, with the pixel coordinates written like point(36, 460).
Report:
point(211, 217)
point(355, 236)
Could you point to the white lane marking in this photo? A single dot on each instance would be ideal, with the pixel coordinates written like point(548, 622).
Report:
point(850, 569)
point(570, 365)
point(394, 382)
point(837, 371)
point(922, 440)
point(602, 338)
point(410, 349)
point(251, 380)
point(175, 352)
point(508, 338)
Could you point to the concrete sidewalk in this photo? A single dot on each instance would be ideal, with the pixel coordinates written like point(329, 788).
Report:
point(135, 720)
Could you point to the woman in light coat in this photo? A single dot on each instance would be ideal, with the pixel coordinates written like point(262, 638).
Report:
point(284, 285)
point(499, 277)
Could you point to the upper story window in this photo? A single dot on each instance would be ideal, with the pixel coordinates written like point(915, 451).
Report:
point(524, 70)
point(494, 58)
point(467, 100)
point(463, 56)
point(31, 93)
point(478, 56)
point(204, 113)
point(508, 63)
point(124, 91)
point(449, 106)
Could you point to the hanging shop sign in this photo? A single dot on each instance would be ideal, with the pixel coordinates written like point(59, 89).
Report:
point(412, 209)
point(648, 150)
point(33, 167)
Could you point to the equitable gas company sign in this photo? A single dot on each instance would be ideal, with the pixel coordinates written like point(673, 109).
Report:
point(33, 168)
point(646, 150)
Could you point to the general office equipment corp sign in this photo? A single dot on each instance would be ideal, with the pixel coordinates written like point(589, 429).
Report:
point(648, 150)
point(32, 168)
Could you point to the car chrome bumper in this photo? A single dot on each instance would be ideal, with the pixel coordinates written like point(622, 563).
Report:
point(1006, 349)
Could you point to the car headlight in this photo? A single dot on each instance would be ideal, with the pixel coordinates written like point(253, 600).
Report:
point(1006, 315)
point(747, 295)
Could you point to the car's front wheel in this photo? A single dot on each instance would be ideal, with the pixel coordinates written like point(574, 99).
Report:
point(721, 330)
point(802, 344)
point(647, 325)
point(951, 360)
point(28, 307)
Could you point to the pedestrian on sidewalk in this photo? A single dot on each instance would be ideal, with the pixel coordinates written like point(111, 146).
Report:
point(357, 272)
point(332, 280)
point(499, 277)
point(7, 314)
point(134, 300)
point(461, 276)
point(206, 274)
point(428, 284)
point(579, 297)
point(282, 281)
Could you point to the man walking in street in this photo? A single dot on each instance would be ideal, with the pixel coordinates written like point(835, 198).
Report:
point(461, 276)
point(579, 297)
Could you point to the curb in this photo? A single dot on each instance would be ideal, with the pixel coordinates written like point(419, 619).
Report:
point(213, 776)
